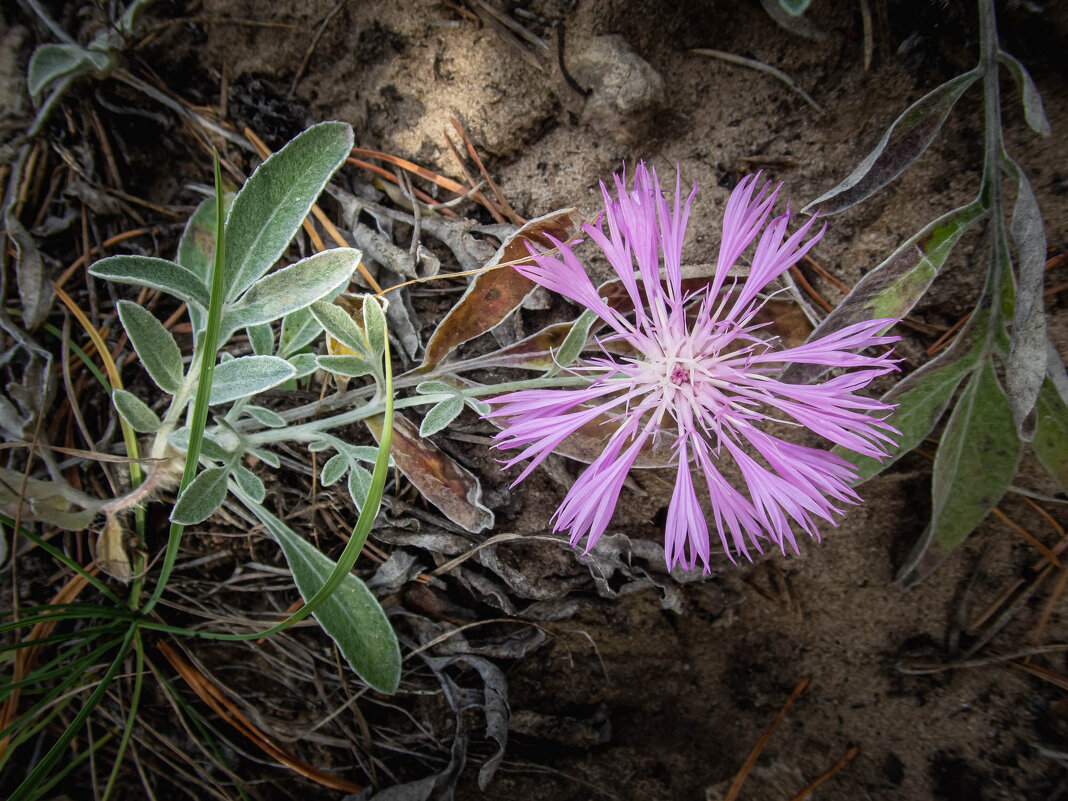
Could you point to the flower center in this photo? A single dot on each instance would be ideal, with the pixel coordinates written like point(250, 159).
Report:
point(680, 375)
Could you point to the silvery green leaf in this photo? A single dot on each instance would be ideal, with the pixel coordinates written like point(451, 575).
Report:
point(293, 288)
point(974, 465)
point(436, 387)
point(265, 417)
point(196, 249)
point(1032, 100)
point(135, 412)
point(248, 375)
point(351, 616)
point(154, 273)
point(298, 330)
point(304, 364)
point(275, 200)
point(334, 469)
point(374, 323)
point(209, 446)
point(52, 61)
point(794, 7)
point(359, 485)
point(1026, 365)
point(365, 453)
point(904, 142)
point(575, 340)
point(337, 322)
point(440, 415)
point(320, 445)
point(35, 289)
point(1051, 432)
point(261, 337)
point(351, 366)
point(480, 408)
point(154, 345)
point(269, 458)
point(250, 483)
point(201, 498)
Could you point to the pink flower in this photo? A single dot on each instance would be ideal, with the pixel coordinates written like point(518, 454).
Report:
point(702, 375)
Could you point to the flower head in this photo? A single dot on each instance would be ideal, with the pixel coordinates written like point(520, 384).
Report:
point(700, 373)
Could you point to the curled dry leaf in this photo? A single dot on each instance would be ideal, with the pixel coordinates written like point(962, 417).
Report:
point(111, 553)
point(495, 293)
point(450, 487)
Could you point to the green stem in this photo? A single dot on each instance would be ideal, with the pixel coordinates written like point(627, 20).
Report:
point(208, 356)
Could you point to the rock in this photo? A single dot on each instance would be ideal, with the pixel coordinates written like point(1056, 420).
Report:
point(625, 91)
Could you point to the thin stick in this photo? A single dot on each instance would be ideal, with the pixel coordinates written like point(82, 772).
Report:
point(743, 774)
point(826, 276)
point(508, 210)
point(762, 67)
point(1042, 548)
point(485, 201)
point(837, 766)
point(944, 339)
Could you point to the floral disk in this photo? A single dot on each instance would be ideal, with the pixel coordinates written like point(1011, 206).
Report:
point(702, 375)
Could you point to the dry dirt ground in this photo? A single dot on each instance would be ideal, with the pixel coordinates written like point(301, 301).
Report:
point(630, 698)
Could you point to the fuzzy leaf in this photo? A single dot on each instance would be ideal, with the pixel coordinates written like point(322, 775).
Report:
point(896, 285)
point(338, 323)
point(575, 340)
point(275, 200)
point(294, 287)
point(495, 294)
point(250, 483)
point(1029, 96)
point(261, 337)
point(298, 330)
point(440, 415)
point(160, 274)
point(1051, 432)
point(135, 412)
point(265, 417)
point(374, 324)
point(359, 485)
point(304, 364)
point(334, 469)
point(974, 465)
point(154, 345)
point(904, 142)
point(201, 498)
point(52, 61)
point(248, 375)
point(1026, 365)
point(350, 366)
point(795, 7)
point(351, 616)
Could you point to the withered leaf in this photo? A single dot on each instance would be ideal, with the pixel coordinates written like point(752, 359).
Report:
point(495, 293)
point(446, 484)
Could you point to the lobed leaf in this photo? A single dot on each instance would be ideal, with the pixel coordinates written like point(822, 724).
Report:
point(374, 324)
point(154, 273)
point(135, 412)
point(248, 375)
point(304, 364)
point(196, 249)
point(350, 366)
point(896, 285)
point(250, 483)
point(334, 469)
point(201, 497)
point(974, 465)
point(265, 417)
point(261, 337)
point(276, 198)
point(904, 141)
point(359, 485)
point(154, 345)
